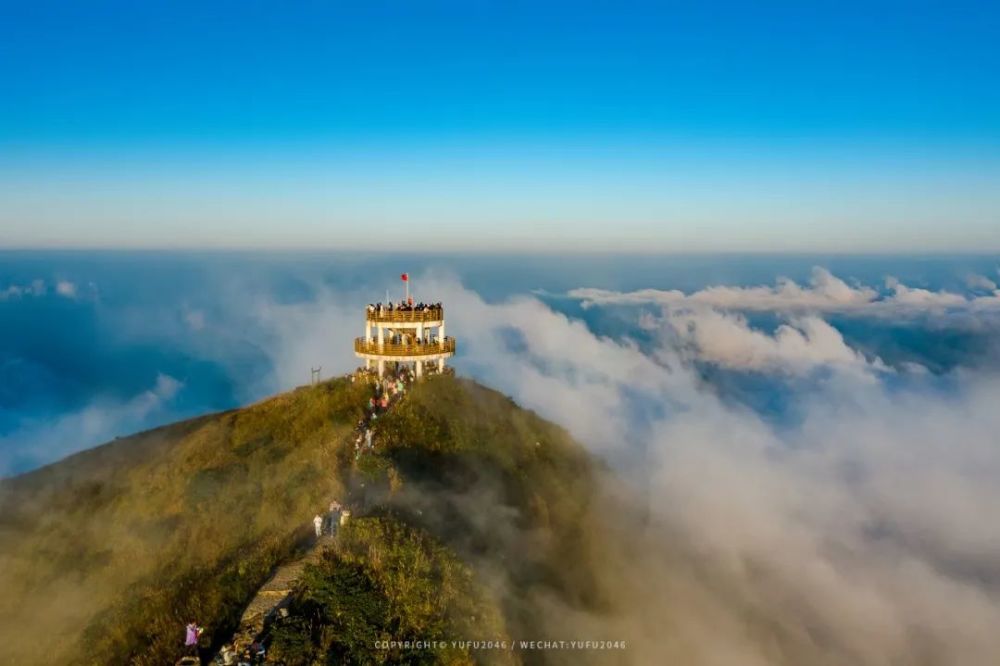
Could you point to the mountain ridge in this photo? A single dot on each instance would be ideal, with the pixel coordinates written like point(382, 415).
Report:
point(108, 553)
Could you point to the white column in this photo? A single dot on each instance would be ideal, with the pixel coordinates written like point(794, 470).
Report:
point(368, 331)
point(368, 363)
point(420, 369)
point(441, 364)
point(381, 368)
point(441, 333)
point(420, 331)
point(381, 335)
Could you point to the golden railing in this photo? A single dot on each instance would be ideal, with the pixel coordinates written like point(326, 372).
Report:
point(405, 316)
point(408, 349)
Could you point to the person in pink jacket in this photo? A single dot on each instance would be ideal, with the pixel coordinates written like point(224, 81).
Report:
point(191, 635)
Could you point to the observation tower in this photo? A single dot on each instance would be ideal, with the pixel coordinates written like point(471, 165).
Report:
point(405, 332)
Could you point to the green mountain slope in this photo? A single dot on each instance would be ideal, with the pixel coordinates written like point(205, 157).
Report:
point(473, 520)
point(123, 542)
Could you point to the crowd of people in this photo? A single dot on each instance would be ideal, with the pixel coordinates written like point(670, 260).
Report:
point(404, 306)
point(400, 339)
point(385, 392)
point(364, 375)
point(335, 515)
point(231, 655)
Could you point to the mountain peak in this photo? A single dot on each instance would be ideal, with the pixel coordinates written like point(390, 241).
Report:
point(108, 553)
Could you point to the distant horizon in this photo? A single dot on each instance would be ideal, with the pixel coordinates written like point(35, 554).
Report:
point(818, 253)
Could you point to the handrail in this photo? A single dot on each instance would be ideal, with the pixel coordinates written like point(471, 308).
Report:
point(405, 316)
point(362, 346)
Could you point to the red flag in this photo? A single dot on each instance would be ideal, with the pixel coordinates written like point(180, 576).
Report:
point(405, 277)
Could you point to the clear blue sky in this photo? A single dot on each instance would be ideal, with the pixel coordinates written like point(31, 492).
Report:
point(481, 125)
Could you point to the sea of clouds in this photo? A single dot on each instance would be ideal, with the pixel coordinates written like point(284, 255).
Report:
point(860, 531)
point(818, 491)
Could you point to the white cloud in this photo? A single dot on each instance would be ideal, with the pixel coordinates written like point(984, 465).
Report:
point(300, 336)
point(38, 288)
point(980, 283)
point(923, 298)
point(796, 347)
point(38, 443)
point(865, 522)
point(862, 534)
point(66, 289)
point(195, 319)
point(825, 293)
point(15, 291)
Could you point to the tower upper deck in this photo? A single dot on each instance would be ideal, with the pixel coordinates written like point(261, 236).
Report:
point(427, 314)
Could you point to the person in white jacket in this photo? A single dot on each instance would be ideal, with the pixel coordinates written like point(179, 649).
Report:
point(318, 523)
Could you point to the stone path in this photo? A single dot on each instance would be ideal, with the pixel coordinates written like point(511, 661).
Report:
point(276, 591)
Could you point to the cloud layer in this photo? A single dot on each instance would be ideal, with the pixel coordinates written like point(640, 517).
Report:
point(859, 534)
point(825, 293)
point(39, 288)
point(797, 347)
point(37, 442)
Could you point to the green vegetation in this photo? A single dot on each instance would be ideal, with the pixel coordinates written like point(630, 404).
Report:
point(474, 521)
point(497, 481)
point(512, 499)
point(385, 581)
point(126, 543)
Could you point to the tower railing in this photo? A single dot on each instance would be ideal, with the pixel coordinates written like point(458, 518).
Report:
point(385, 316)
point(446, 346)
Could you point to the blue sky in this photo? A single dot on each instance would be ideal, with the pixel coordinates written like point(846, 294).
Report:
point(482, 125)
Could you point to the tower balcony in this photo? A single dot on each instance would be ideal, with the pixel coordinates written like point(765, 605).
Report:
point(427, 315)
point(404, 351)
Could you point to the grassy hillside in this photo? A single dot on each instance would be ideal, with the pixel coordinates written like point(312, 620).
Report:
point(514, 500)
point(475, 519)
point(124, 543)
point(386, 581)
